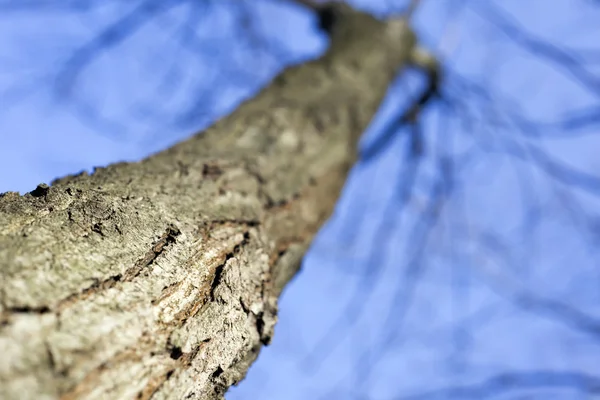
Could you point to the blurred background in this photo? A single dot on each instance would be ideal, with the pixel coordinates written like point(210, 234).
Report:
point(461, 261)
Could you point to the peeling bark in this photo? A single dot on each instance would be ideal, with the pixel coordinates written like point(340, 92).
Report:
point(159, 279)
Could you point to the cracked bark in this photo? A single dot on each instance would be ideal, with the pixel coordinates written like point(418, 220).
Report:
point(159, 279)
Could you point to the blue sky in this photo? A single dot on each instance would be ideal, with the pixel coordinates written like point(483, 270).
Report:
point(498, 298)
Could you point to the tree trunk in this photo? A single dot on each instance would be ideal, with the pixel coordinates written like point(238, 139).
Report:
point(159, 279)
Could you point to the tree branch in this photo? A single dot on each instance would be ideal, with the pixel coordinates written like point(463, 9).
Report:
point(159, 279)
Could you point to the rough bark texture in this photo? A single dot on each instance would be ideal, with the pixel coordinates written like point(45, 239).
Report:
point(159, 279)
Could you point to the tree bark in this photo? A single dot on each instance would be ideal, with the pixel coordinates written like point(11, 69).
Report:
point(159, 279)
